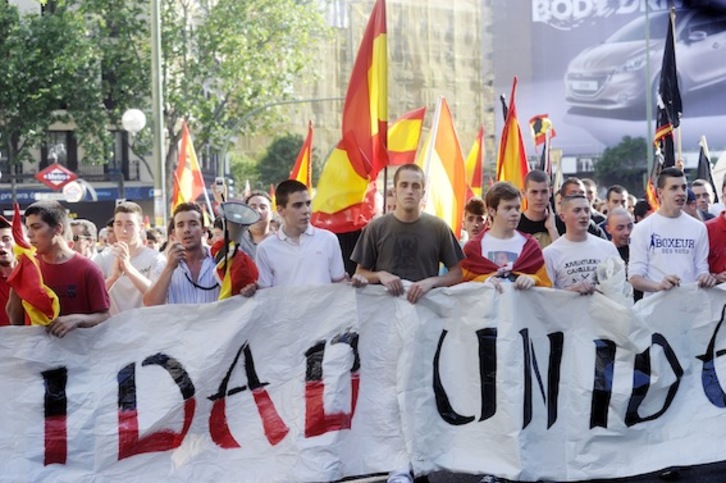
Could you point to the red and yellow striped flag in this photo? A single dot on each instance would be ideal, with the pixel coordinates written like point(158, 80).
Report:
point(512, 161)
point(345, 198)
point(403, 137)
point(188, 180)
point(475, 164)
point(302, 171)
point(39, 301)
point(442, 161)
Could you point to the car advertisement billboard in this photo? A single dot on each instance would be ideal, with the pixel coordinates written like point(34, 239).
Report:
point(590, 64)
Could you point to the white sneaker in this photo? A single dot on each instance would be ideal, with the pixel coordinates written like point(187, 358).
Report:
point(400, 476)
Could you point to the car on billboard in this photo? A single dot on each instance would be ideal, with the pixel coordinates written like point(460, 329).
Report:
point(611, 76)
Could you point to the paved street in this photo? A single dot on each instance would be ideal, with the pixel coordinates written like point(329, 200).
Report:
point(711, 473)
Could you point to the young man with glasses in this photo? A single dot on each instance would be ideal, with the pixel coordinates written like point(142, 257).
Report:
point(84, 238)
point(188, 276)
point(128, 266)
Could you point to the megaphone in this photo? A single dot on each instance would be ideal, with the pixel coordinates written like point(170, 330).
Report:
point(237, 218)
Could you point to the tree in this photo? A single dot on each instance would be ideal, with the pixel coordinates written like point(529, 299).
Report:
point(226, 58)
point(624, 164)
point(82, 62)
point(50, 73)
point(277, 162)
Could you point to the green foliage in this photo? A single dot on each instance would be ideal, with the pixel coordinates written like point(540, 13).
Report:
point(624, 164)
point(277, 162)
point(84, 63)
point(243, 168)
point(50, 73)
point(225, 59)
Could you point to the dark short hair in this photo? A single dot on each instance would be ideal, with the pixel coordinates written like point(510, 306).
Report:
point(616, 188)
point(641, 208)
point(475, 206)
point(51, 212)
point(668, 173)
point(182, 207)
point(261, 193)
point(109, 223)
point(567, 182)
point(536, 176)
point(410, 167)
point(501, 191)
point(285, 189)
point(4, 223)
point(129, 207)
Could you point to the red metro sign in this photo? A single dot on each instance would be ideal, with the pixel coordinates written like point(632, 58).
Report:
point(56, 176)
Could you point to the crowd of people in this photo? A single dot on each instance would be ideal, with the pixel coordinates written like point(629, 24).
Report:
point(528, 238)
point(532, 237)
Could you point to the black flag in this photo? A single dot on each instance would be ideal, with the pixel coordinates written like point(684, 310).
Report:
point(705, 171)
point(669, 97)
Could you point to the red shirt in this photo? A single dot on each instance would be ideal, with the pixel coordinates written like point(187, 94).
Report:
point(79, 285)
point(4, 294)
point(716, 228)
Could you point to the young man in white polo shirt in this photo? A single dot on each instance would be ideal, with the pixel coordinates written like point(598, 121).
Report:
point(571, 260)
point(669, 247)
point(299, 253)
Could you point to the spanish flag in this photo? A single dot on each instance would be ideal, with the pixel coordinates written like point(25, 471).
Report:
point(345, 199)
point(403, 137)
point(475, 164)
point(442, 161)
point(302, 170)
point(39, 301)
point(188, 180)
point(512, 161)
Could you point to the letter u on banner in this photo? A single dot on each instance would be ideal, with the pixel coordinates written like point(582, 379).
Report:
point(317, 421)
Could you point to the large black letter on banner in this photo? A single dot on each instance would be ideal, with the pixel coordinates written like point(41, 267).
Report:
point(641, 382)
point(709, 376)
point(446, 411)
point(553, 376)
point(602, 386)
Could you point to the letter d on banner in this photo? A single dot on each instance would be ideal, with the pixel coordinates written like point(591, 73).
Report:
point(129, 443)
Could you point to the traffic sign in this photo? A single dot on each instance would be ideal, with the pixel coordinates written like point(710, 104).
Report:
point(56, 176)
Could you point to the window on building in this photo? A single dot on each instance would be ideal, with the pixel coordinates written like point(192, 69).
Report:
point(59, 147)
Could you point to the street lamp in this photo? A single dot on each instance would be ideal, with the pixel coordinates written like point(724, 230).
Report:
point(133, 121)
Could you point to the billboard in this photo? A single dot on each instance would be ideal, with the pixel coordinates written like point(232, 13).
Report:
point(591, 64)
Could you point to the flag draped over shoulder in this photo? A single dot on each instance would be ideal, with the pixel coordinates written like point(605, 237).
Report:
point(302, 170)
point(705, 170)
point(39, 301)
point(345, 199)
point(512, 161)
point(403, 137)
point(670, 106)
point(442, 161)
point(475, 164)
point(188, 180)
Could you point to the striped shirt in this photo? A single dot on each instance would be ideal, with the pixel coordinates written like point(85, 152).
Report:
point(184, 290)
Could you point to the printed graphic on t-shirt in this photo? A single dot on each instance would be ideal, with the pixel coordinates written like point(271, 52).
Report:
point(582, 269)
point(502, 258)
point(671, 245)
point(406, 249)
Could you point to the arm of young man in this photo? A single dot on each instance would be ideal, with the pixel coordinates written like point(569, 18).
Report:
point(157, 292)
point(14, 309)
point(66, 323)
point(393, 284)
point(422, 287)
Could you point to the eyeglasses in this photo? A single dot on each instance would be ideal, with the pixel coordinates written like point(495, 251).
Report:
point(81, 237)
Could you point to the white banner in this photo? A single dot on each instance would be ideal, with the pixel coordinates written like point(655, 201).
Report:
point(319, 383)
